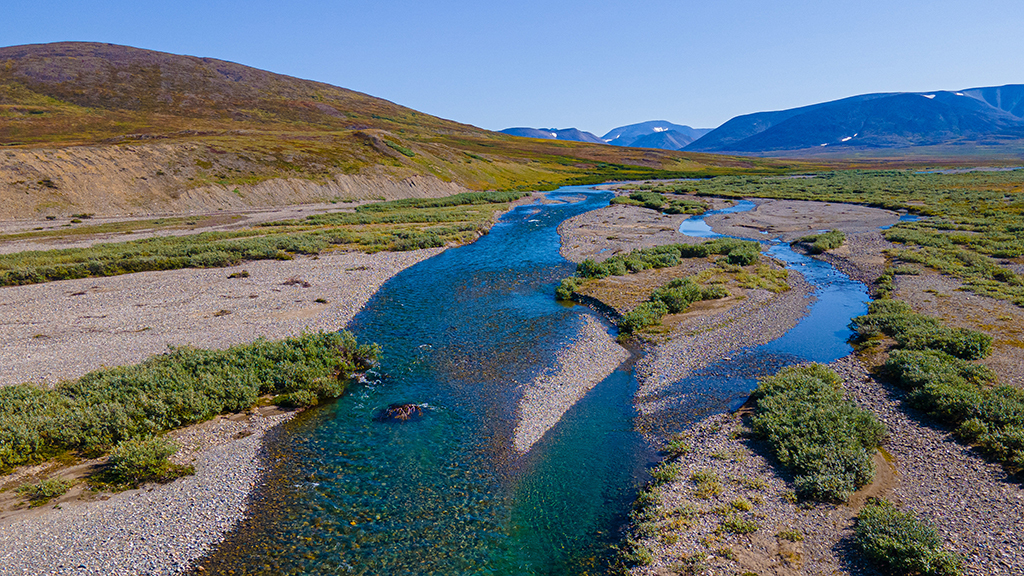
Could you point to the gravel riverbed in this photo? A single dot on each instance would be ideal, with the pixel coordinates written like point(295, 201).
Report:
point(64, 329)
point(584, 361)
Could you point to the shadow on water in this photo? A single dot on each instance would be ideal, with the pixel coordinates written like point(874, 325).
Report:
point(445, 494)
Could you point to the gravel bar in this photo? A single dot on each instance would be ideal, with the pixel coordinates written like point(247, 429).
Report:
point(64, 329)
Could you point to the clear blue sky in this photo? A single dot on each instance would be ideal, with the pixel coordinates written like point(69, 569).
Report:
point(591, 65)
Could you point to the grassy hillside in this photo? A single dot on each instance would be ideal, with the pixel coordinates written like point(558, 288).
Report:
point(207, 122)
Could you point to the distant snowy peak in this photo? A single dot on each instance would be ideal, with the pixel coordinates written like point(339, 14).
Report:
point(640, 135)
point(554, 134)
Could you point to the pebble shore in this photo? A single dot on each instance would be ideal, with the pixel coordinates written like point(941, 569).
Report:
point(161, 530)
point(584, 361)
point(979, 513)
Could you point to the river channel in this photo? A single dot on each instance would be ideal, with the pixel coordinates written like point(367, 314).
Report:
point(446, 493)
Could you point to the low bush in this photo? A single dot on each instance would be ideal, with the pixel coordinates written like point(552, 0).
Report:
point(645, 315)
point(898, 542)
point(678, 294)
point(919, 332)
point(144, 460)
point(656, 201)
point(820, 243)
point(184, 386)
point(826, 440)
point(568, 287)
point(963, 396)
point(739, 252)
point(45, 490)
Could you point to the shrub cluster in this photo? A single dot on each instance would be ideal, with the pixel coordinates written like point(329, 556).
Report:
point(678, 294)
point(898, 542)
point(45, 490)
point(186, 385)
point(737, 252)
point(961, 395)
point(672, 298)
point(826, 440)
point(919, 332)
point(656, 201)
point(645, 315)
point(819, 243)
point(139, 460)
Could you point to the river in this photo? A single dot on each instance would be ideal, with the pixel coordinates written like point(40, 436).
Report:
point(446, 493)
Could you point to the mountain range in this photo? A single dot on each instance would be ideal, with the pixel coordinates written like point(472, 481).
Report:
point(988, 117)
point(652, 134)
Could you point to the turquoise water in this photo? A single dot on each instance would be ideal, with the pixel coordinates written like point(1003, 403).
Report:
point(445, 494)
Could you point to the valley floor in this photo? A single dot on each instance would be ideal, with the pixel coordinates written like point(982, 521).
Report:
point(976, 507)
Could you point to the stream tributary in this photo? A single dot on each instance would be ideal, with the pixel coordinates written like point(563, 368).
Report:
point(447, 493)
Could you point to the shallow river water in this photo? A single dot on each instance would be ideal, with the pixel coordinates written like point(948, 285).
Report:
point(446, 493)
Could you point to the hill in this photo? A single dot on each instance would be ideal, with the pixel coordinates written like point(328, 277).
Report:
point(631, 134)
point(978, 117)
point(89, 127)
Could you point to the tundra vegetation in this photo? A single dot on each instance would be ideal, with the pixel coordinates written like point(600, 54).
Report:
point(397, 225)
point(740, 261)
point(656, 201)
point(821, 243)
point(973, 226)
point(932, 363)
point(122, 409)
point(897, 542)
point(825, 440)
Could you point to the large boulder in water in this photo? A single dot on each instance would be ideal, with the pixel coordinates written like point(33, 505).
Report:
point(399, 413)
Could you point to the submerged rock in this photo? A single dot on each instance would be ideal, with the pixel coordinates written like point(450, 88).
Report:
point(399, 413)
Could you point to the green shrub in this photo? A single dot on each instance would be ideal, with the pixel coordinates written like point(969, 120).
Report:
point(45, 490)
point(739, 252)
point(144, 459)
point(568, 287)
point(919, 332)
point(898, 542)
point(826, 440)
point(645, 315)
point(820, 243)
point(182, 387)
point(961, 395)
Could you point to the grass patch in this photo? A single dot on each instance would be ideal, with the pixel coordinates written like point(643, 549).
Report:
point(738, 525)
point(897, 542)
point(825, 440)
point(100, 410)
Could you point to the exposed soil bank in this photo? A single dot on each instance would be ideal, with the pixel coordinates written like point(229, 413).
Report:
point(166, 178)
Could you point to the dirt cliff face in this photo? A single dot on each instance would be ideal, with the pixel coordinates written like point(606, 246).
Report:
point(164, 178)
